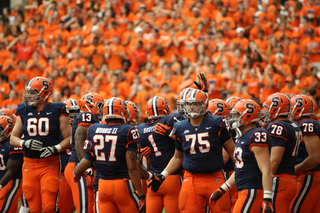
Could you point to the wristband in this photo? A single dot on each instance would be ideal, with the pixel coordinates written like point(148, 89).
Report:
point(58, 147)
point(225, 186)
point(150, 175)
point(267, 194)
point(165, 173)
point(21, 143)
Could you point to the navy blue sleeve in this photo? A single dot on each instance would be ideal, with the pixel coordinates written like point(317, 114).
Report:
point(224, 135)
point(88, 156)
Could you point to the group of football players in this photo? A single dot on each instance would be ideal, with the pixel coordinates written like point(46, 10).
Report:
point(212, 155)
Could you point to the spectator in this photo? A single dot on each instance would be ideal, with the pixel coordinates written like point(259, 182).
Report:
point(137, 56)
point(19, 77)
point(290, 89)
point(12, 102)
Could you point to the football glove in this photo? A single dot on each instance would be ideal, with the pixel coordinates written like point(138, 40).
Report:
point(146, 151)
point(156, 182)
point(142, 208)
point(266, 206)
point(32, 144)
point(89, 175)
point(216, 195)
point(163, 129)
point(202, 85)
point(48, 151)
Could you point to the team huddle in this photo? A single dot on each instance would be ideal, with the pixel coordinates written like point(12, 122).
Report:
point(209, 156)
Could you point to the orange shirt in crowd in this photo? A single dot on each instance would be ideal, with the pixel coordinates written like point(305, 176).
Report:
point(290, 92)
point(268, 89)
point(11, 105)
point(214, 82)
point(311, 45)
point(114, 59)
point(21, 76)
point(295, 54)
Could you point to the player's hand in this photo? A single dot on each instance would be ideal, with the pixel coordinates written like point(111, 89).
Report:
point(216, 195)
point(156, 182)
point(163, 129)
point(142, 208)
point(48, 151)
point(146, 151)
point(32, 144)
point(266, 206)
point(90, 177)
point(202, 85)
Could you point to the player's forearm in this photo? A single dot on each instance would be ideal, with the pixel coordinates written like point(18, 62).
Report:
point(267, 180)
point(12, 166)
point(65, 144)
point(173, 164)
point(15, 141)
point(82, 167)
point(143, 173)
point(274, 166)
point(135, 177)
point(309, 163)
point(231, 181)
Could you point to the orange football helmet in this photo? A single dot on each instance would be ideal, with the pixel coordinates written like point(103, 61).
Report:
point(8, 112)
point(232, 101)
point(192, 101)
point(73, 108)
point(6, 126)
point(157, 107)
point(219, 107)
point(278, 104)
point(180, 102)
point(302, 106)
point(115, 108)
point(38, 90)
point(245, 112)
point(133, 112)
point(92, 102)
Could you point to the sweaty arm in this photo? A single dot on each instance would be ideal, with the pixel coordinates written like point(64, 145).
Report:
point(16, 133)
point(11, 168)
point(65, 129)
point(80, 137)
point(261, 154)
point(134, 171)
point(312, 143)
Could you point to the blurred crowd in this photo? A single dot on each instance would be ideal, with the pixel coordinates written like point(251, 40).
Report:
point(136, 49)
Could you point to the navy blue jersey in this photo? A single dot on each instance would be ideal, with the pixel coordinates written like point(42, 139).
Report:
point(286, 134)
point(307, 127)
point(202, 145)
point(229, 166)
point(162, 147)
point(107, 146)
point(7, 152)
point(83, 119)
point(41, 125)
point(247, 172)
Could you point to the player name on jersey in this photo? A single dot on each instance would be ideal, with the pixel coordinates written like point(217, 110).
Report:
point(106, 130)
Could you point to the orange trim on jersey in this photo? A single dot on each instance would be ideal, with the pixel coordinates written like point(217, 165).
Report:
point(279, 136)
point(18, 152)
point(178, 139)
point(219, 133)
point(63, 115)
point(257, 144)
point(130, 143)
point(85, 124)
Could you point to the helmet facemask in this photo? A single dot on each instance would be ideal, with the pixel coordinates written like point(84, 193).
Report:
point(236, 118)
point(32, 96)
point(3, 134)
point(194, 108)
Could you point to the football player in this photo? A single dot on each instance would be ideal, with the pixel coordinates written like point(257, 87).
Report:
point(161, 151)
point(232, 101)
point(285, 140)
point(252, 176)
point(41, 123)
point(307, 167)
point(8, 112)
point(199, 142)
point(10, 168)
point(91, 106)
point(113, 147)
point(65, 203)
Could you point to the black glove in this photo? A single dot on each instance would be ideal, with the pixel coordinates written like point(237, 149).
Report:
point(216, 195)
point(202, 85)
point(32, 144)
point(266, 206)
point(156, 182)
point(142, 208)
point(48, 151)
point(163, 129)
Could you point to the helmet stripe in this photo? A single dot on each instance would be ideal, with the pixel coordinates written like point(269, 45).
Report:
point(193, 93)
point(73, 102)
point(185, 93)
point(154, 106)
point(110, 105)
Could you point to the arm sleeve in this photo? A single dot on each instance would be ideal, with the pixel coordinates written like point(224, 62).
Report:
point(133, 138)
point(308, 128)
point(259, 138)
point(15, 153)
point(86, 119)
point(179, 145)
point(278, 134)
point(224, 135)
